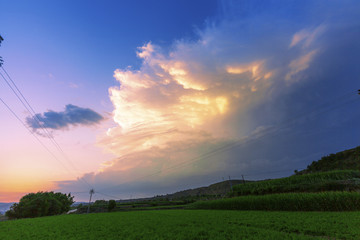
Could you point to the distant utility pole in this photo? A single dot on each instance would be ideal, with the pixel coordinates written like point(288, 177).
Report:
point(243, 179)
point(91, 193)
point(230, 184)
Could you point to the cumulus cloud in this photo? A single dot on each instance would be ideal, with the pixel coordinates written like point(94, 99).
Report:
point(72, 115)
point(208, 107)
point(181, 105)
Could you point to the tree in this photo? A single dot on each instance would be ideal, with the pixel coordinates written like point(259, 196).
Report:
point(112, 205)
point(40, 204)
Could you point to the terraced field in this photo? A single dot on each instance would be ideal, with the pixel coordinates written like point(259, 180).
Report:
point(323, 201)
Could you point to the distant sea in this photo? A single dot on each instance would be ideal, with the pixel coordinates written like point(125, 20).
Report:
point(4, 207)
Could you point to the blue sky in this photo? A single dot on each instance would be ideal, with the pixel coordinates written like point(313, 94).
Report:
point(167, 85)
point(82, 43)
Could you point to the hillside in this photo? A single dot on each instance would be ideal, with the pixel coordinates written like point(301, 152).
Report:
point(344, 160)
point(213, 190)
point(337, 180)
point(216, 189)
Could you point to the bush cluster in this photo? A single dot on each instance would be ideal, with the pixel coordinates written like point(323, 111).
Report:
point(40, 204)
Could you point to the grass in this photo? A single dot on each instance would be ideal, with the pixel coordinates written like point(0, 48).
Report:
point(187, 224)
point(340, 180)
point(325, 201)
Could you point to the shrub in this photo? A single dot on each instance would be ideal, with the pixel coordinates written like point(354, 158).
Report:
point(40, 204)
point(112, 205)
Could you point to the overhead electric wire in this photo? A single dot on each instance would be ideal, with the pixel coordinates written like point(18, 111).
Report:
point(46, 148)
point(33, 114)
point(245, 140)
point(114, 197)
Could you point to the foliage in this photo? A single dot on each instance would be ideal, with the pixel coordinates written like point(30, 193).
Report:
point(102, 205)
point(100, 202)
point(341, 180)
point(112, 205)
point(187, 224)
point(324, 201)
point(348, 159)
point(40, 204)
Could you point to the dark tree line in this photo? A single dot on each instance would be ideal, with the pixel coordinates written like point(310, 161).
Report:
point(40, 204)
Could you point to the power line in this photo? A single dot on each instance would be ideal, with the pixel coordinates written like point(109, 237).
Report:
point(114, 197)
point(31, 111)
point(42, 144)
point(33, 115)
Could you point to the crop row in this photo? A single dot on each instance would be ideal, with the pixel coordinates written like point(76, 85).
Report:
point(187, 224)
point(324, 201)
point(341, 180)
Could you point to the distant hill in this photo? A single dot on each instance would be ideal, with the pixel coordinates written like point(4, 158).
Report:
point(344, 160)
point(216, 189)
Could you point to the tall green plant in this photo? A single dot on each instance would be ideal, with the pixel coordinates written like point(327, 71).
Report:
point(325, 201)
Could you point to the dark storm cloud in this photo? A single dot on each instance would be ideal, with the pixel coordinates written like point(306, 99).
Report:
point(73, 115)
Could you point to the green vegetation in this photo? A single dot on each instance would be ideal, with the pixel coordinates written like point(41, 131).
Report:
point(103, 206)
point(112, 205)
point(40, 204)
point(187, 224)
point(341, 180)
point(325, 201)
point(348, 159)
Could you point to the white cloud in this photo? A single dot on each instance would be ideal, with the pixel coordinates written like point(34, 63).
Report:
point(300, 64)
point(307, 36)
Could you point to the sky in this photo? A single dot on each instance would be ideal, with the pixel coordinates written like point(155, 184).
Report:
point(142, 98)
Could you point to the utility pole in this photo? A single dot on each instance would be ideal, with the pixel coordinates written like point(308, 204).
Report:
point(230, 184)
point(91, 193)
point(243, 179)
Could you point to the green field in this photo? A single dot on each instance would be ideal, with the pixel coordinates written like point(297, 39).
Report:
point(187, 224)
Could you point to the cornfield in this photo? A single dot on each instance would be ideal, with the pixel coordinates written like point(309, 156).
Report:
point(324, 201)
